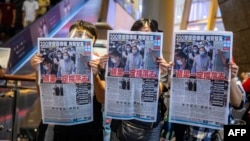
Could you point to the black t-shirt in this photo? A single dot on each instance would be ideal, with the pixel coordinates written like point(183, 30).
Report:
point(91, 128)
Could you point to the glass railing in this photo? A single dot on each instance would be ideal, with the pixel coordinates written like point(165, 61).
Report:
point(24, 44)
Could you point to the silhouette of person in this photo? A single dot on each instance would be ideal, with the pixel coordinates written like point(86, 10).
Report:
point(190, 85)
point(61, 90)
point(123, 84)
point(57, 90)
point(195, 85)
point(128, 84)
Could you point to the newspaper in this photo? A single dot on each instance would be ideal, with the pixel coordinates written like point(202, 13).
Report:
point(132, 79)
point(200, 82)
point(66, 88)
point(4, 57)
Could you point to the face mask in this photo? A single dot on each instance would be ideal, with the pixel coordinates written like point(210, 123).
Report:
point(59, 56)
point(202, 53)
point(195, 50)
point(134, 51)
point(65, 57)
point(179, 62)
point(45, 67)
point(113, 60)
point(128, 49)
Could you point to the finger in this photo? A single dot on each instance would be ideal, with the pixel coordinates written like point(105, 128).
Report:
point(95, 53)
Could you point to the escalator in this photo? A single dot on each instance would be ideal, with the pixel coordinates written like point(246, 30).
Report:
point(56, 21)
point(23, 46)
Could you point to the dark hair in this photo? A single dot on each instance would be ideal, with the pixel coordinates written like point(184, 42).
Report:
point(153, 24)
point(47, 60)
point(196, 46)
point(85, 25)
point(128, 45)
point(181, 54)
point(115, 53)
point(203, 48)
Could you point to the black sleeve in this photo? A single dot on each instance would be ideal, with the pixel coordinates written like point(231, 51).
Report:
point(239, 107)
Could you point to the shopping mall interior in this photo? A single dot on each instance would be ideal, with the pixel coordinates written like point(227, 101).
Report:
point(20, 111)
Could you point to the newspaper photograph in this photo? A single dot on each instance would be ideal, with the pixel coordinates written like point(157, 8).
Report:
point(132, 79)
point(65, 81)
point(200, 80)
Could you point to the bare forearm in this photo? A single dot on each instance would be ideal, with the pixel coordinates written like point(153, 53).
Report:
point(99, 88)
point(235, 94)
point(14, 17)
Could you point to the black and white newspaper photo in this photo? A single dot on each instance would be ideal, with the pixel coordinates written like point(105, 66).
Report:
point(200, 79)
point(132, 79)
point(65, 80)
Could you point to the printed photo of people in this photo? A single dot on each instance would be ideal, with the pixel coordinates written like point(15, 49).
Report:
point(58, 60)
point(195, 56)
point(124, 84)
point(58, 90)
point(116, 60)
point(191, 85)
point(133, 54)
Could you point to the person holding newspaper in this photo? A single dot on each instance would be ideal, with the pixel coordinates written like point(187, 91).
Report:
point(92, 131)
point(149, 131)
point(194, 133)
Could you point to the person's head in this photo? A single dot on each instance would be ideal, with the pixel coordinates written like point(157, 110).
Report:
point(115, 57)
point(134, 49)
point(59, 54)
point(146, 25)
point(47, 63)
point(181, 58)
point(66, 56)
point(244, 76)
point(195, 49)
point(128, 47)
point(83, 29)
point(202, 51)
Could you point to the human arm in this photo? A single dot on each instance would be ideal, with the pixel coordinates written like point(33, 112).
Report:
point(165, 69)
point(193, 69)
point(127, 64)
point(46, 4)
point(36, 12)
point(14, 17)
point(235, 93)
point(35, 61)
point(99, 84)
